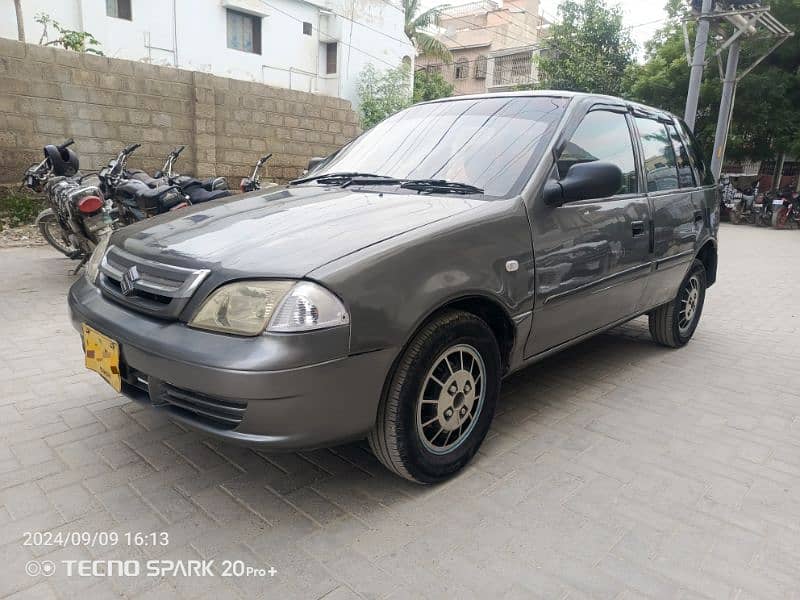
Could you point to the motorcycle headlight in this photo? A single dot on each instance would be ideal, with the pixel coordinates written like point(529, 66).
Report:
point(93, 264)
point(253, 307)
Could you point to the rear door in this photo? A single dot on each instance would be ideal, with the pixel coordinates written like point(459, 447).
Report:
point(672, 189)
point(591, 256)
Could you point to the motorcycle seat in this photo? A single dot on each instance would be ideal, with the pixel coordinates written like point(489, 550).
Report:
point(145, 178)
point(198, 195)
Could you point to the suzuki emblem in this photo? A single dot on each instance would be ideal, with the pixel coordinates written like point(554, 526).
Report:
point(130, 277)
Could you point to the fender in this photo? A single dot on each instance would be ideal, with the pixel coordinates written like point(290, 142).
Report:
point(42, 215)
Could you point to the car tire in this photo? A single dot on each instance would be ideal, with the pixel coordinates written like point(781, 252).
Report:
point(673, 324)
point(439, 400)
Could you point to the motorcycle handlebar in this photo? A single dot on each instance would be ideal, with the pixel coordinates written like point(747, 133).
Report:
point(66, 144)
point(178, 151)
point(131, 148)
point(265, 158)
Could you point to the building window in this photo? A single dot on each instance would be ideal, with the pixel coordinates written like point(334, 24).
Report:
point(480, 67)
point(462, 68)
point(331, 50)
point(244, 32)
point(513, 69)
point(119, 9)
point(306, 28)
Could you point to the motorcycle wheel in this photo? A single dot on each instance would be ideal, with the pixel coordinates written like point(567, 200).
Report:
point(51, 230)
point(782, 218)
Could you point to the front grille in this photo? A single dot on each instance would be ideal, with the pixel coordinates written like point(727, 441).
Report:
point(160, 290)
point(218, 412)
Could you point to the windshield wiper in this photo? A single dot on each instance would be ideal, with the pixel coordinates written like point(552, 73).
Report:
point(440, 186)
point(343, 177)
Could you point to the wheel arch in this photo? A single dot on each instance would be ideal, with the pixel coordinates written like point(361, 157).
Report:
point(708, 256)
point(488, 309)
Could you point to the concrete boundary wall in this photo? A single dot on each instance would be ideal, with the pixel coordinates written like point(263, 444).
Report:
point(48, 95)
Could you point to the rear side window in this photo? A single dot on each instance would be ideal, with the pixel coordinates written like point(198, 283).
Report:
point(660, 165)
point(685, 172)
point(605, 136)
point(696, 156)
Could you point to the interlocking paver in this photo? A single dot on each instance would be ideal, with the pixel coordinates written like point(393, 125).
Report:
point(617, 469)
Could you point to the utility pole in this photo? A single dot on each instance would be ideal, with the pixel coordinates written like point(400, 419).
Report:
point(698, 64)
point(725, 109)
point(738, 20)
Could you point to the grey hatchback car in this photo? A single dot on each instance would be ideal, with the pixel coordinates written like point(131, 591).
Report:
point(387, 293)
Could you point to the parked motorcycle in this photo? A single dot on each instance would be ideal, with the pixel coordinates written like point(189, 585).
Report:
point(198, 190)
point(137, 200)
point(789, 212)
point(79, 215)
point(210, 184)
point(253, 183)
point(742, 208)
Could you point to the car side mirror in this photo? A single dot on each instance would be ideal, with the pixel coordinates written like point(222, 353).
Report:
point(584, 181)
point(314, 163)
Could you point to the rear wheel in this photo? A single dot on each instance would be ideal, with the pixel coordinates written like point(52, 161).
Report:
point(52, 231)
point(440, 400)
point(674, 323)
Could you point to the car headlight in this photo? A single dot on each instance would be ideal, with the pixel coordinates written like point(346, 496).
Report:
point(253, 307)
point(93, 264)
point(306, 307)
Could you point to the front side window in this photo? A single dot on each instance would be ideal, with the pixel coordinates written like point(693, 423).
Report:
point(659, 156)
point(119, 9)
point(490, 143)
point(603, 136)
point(244, 32)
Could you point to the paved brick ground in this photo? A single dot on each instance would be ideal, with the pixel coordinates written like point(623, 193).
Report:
point(615, 470)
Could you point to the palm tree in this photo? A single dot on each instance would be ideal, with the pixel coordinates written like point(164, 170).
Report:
point(415, 25)
point(20, 24)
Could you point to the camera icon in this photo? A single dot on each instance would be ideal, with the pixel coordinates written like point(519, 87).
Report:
point(34, 568)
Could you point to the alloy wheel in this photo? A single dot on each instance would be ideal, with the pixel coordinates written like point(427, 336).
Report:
point(451, 399)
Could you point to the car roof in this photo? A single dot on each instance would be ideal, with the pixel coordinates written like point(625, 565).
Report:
point(602, 98)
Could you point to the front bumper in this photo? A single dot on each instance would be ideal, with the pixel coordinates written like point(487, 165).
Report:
point(284, 392)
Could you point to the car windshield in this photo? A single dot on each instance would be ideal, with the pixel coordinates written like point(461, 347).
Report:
point(489, 143)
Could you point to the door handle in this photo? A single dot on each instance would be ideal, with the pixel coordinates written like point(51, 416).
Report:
point(698, 216)
point(637, 227)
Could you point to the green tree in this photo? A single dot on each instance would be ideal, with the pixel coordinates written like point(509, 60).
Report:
point(415, 25)
point(588, 50)
point(430, 85)
point(765, 113)
point(382, 94)
point(69, 39)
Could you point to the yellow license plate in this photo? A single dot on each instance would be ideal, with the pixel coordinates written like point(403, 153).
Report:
point(102, 356)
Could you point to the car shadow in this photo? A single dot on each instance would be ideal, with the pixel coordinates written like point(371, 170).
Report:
point(543, 393)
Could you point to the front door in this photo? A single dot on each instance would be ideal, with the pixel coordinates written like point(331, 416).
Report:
point(591, 257)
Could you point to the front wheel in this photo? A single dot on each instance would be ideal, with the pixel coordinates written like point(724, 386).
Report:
point(51, 230)
point(440, 400)
point(674, 323)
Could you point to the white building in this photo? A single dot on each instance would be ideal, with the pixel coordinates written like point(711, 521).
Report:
point(309, 45)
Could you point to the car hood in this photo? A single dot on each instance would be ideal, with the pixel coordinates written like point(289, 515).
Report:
point(286, 232)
